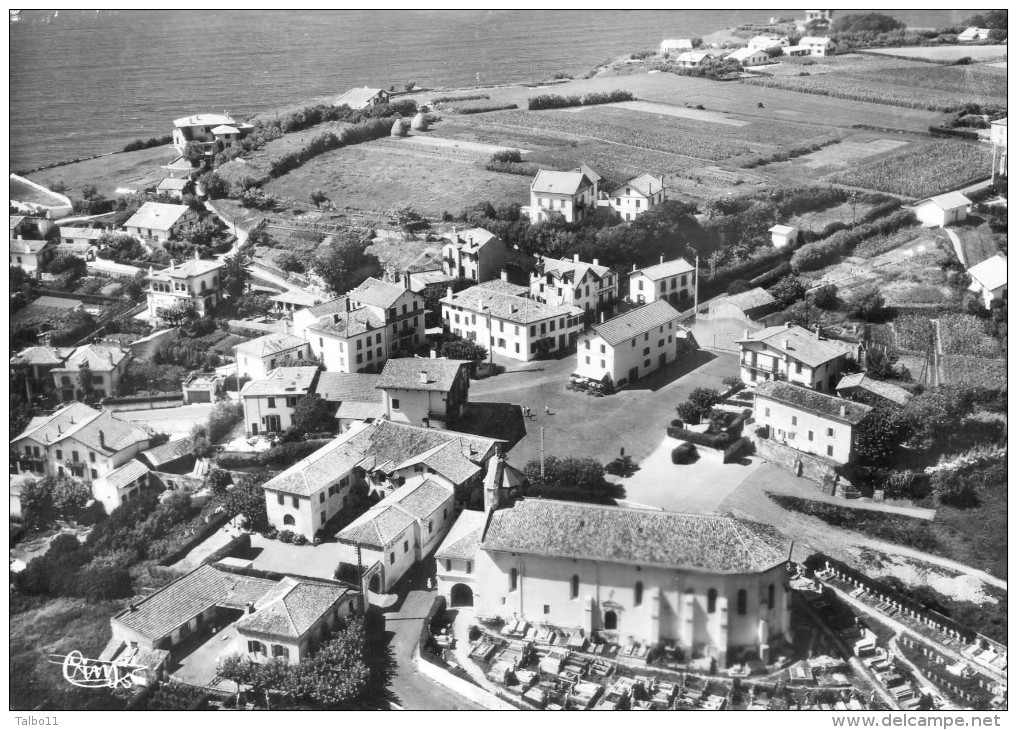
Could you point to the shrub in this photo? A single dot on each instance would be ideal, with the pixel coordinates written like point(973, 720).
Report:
point(481, 108)
point(683, 454)
point(507, 156)
point(825, 297)
point(868, 304)
point(465, 97)
point(299, 540)
point(286, 536)
point(710, 440)
point(222, 419)
point(787, 291)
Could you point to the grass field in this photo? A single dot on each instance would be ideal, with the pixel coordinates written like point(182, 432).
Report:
point(946, 54)
point(109, 172)
point(922, 170)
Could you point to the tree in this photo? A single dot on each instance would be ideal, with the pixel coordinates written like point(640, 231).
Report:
point(869, 22)
point(288, 261)
point(336, 675)
point(222, 419)
point(879, 436)
point(704, 398)
point(434, 293)
point(581, 475)
point(787, 291)
point(247, 498)
point(235, 274)
point(37, 509)
point(70, 497)
point(463, 350)
point(120, 248)
point(177, 314)
point(214, 186)
point(868, 304)
point(264, 677)
point(313, 415)
point(318, 197)
point(89, 192)
point(825, 297)
point(994, 20)
point(85, 383)
point(194, 153)
point(345, 264)
point(219, 481)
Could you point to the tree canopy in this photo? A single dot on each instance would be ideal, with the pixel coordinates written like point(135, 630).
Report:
point(345, 264)
point(869, 22)
point(313, 415)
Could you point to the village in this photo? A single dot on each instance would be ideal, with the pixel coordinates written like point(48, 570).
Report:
point(717, 426)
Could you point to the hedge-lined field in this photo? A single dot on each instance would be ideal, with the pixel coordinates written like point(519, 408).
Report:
point(922, 171)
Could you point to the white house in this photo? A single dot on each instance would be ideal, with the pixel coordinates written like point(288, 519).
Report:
point(809, 421)
point(269, 402)
point(510, 324)
point(207, 129)
point(715, 586)
point(749, 57)
point(997, 136)
point(31, 242)
point(766, 42)
point(159, 221)
point(173, 187)
point(372, 458)
point(430, 392)
point(89, 445)
point(942, 210)
point(106, 364)
point(195, 282)
point(817, 45)
point(781, 236)
point(474, 254)
point(675, 45)
point(694, 59)
point(293, 300)
point(362, 98)
point(973, 34)
point(988, 279)
point(673, 281)
point(355, 396)
point(794, 354)
point(571, 282)
point(632, 345)
point(258, 357)
point(636, 196)
point(571, 194)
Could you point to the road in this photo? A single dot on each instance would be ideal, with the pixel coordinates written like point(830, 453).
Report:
point(414, 691)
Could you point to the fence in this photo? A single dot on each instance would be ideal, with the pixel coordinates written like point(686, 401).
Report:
point(86, 298)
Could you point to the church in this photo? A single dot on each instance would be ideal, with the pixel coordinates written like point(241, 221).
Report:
point(714, 586)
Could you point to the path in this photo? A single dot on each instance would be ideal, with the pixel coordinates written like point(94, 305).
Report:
point(202, 550)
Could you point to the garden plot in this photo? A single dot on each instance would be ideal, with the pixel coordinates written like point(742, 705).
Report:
point(848, 152)
point(670, 110)
point(945, 53)
point(479, 148)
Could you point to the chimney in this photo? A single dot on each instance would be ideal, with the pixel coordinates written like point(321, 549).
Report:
point(196, 255)
point(102, 438)
point(817, 333)
point(434, 354)
point(335, 319)
point(448, 292)
point(249, 608)
point(634, 268)
point(173, 262)
point(787, 325)
point(406, 280)
point(786, 343)
point(504, 274)
point(349, 305)
point(662, 258)
point(575, 258)
point(423, 377)
point(602, 316)
point(843, 411)
point(748, 335)
point(132, 607)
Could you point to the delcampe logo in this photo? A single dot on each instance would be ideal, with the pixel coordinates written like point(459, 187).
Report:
point(95, 673)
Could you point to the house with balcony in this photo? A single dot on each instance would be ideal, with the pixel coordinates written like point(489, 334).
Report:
point(375, 457)
point(572, 194)
point(809, 421)
point(672, 281)
point(159, 221)
point(474, 254)
point(359, 331)
point(93, 446)
point(104, 363)
point(571, 282)
point(207, 130)
point(34, 367)
point(634, 197)
point(795, 355)
point(430, 392)
point(632, 345)
point(501, 317)
point(196, 283)
point(269, 402)
point(32, 242)
point(258, 357)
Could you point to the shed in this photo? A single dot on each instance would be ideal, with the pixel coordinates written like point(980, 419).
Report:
point(783, 235)
point(942, 210)
point(988, 279)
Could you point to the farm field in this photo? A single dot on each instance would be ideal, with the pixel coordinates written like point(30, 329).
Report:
point(109, 172)
point(848, 152)
point(386, 174)
point(922, 171)
point(946, 54)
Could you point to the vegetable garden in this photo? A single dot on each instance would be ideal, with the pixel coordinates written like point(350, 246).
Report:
point(922, 171)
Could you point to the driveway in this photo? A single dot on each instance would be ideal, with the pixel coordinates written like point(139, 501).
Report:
point(312, 561)
point(180, 419)
point(700, 487)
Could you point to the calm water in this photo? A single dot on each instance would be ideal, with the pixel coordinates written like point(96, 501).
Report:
point(86, 82)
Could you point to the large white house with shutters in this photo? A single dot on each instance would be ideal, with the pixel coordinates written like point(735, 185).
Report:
point(636, 196)
point(571, 282)
point(671, 281)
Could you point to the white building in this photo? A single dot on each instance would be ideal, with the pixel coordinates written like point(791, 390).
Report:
point(973, 34)
point(269, 402)
point(257, 358)
point(574, 283)
point(694, 59)
point(92, 446)
point(206, 130)
point(942, 210)
point(673, 281)
point(782, 236)
point(429, 392)
point(570, 194)
point(715, 586)
point(31, 244)
point(372, 458)
point(474, 254)
point(817, 45)
point(988, 279)
point(997, 136)
point(509, 323)
point(808, 421)
point(173, 187)
point(159, 221)
point(195, 282)
point(749, 57)
point(361, 98)
point(632, 345)
point(105, 364)
point(766, 42)
point(794, 354)
point(636, 196)
point(675, 45)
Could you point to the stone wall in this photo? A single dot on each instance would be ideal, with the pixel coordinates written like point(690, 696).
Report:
point(807, 466)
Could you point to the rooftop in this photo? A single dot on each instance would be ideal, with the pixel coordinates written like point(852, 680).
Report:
point(57, 302)
point(157, 216)
point(559, 183)
point(521, 310)
point(377, 293)
point(472, 239)
point(165, 610)
point(665, 269)
point(635, 322)
point(384, 522)
point(573, 530)
point(573, 269)
point(349, 387)
point(41, 355)
point(346, 324)
point(806, 399)
point(268, 345)
point(124, 475)
point(948, 201)
point(782, 230)
point(292, 607)
point(463, 540)
point(169, 451)
point(203, 120)
point(800, 343)
point(645, 184)
point(990, 273)
point(418, 373)
point(100, 357)
point(505, 287)
point(355, 97)
point(187, 269)
point(172, 183)
point(750, 299)
point(293, 296)
point(282, 381)
point(25, 245)
point(889, 391)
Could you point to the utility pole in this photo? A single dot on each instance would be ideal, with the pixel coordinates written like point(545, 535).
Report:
point(541, 453)
point(363, 583)
point(695, 312)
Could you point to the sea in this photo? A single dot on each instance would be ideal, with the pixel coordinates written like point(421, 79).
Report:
point(87, 82)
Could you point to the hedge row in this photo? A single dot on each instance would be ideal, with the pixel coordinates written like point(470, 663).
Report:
point(711, 440)
point(481, 108)
point(237, 544)
point(210, 528)
point(327, 141)
point(555, 101)
point(816, 255)
point(528, 169)
point(468, 97)
point(282, 455)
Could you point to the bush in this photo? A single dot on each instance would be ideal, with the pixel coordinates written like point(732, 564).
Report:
point(683, 454)
point(787, 291)
point(286, 536)
point(144, 144)
point(555, 101)
point(299, 540)
point(818, 254)
point(482, 108)
point(465, 97)
point(710, 440)
point(868, 304)
point(825, 297)
point(222, 420)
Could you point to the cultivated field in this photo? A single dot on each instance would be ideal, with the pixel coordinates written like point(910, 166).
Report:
point(922, 170)
point(946, 54)
point(848, 152)
point(110, 172)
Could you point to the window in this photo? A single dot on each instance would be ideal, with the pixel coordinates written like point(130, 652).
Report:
point(574, 589)
point(406, 546)
point(95, 474)
point(513, 579)
point(321, 496)
point(469, 566)
point(280, 652)
point(395, 403)
point(296, 503)
point(281, 498)
point(829, 450)
point(798, 368)
point(639, 594)
point(766, 412)
point(640, 285)
point(289, 520)
point(59, 453)
point(547, 609)
point(587, 359)
point(794, 420)
point(646, 351)
point(603, 363)
point(271, 402)
point(829, 432)
point(74, 454)
point(391, 558)
point(743, 600)
point(711, 601)
point(430, 526)
point(646, 363)
point(810, 436)
point(448, 565)
point(769, 597)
